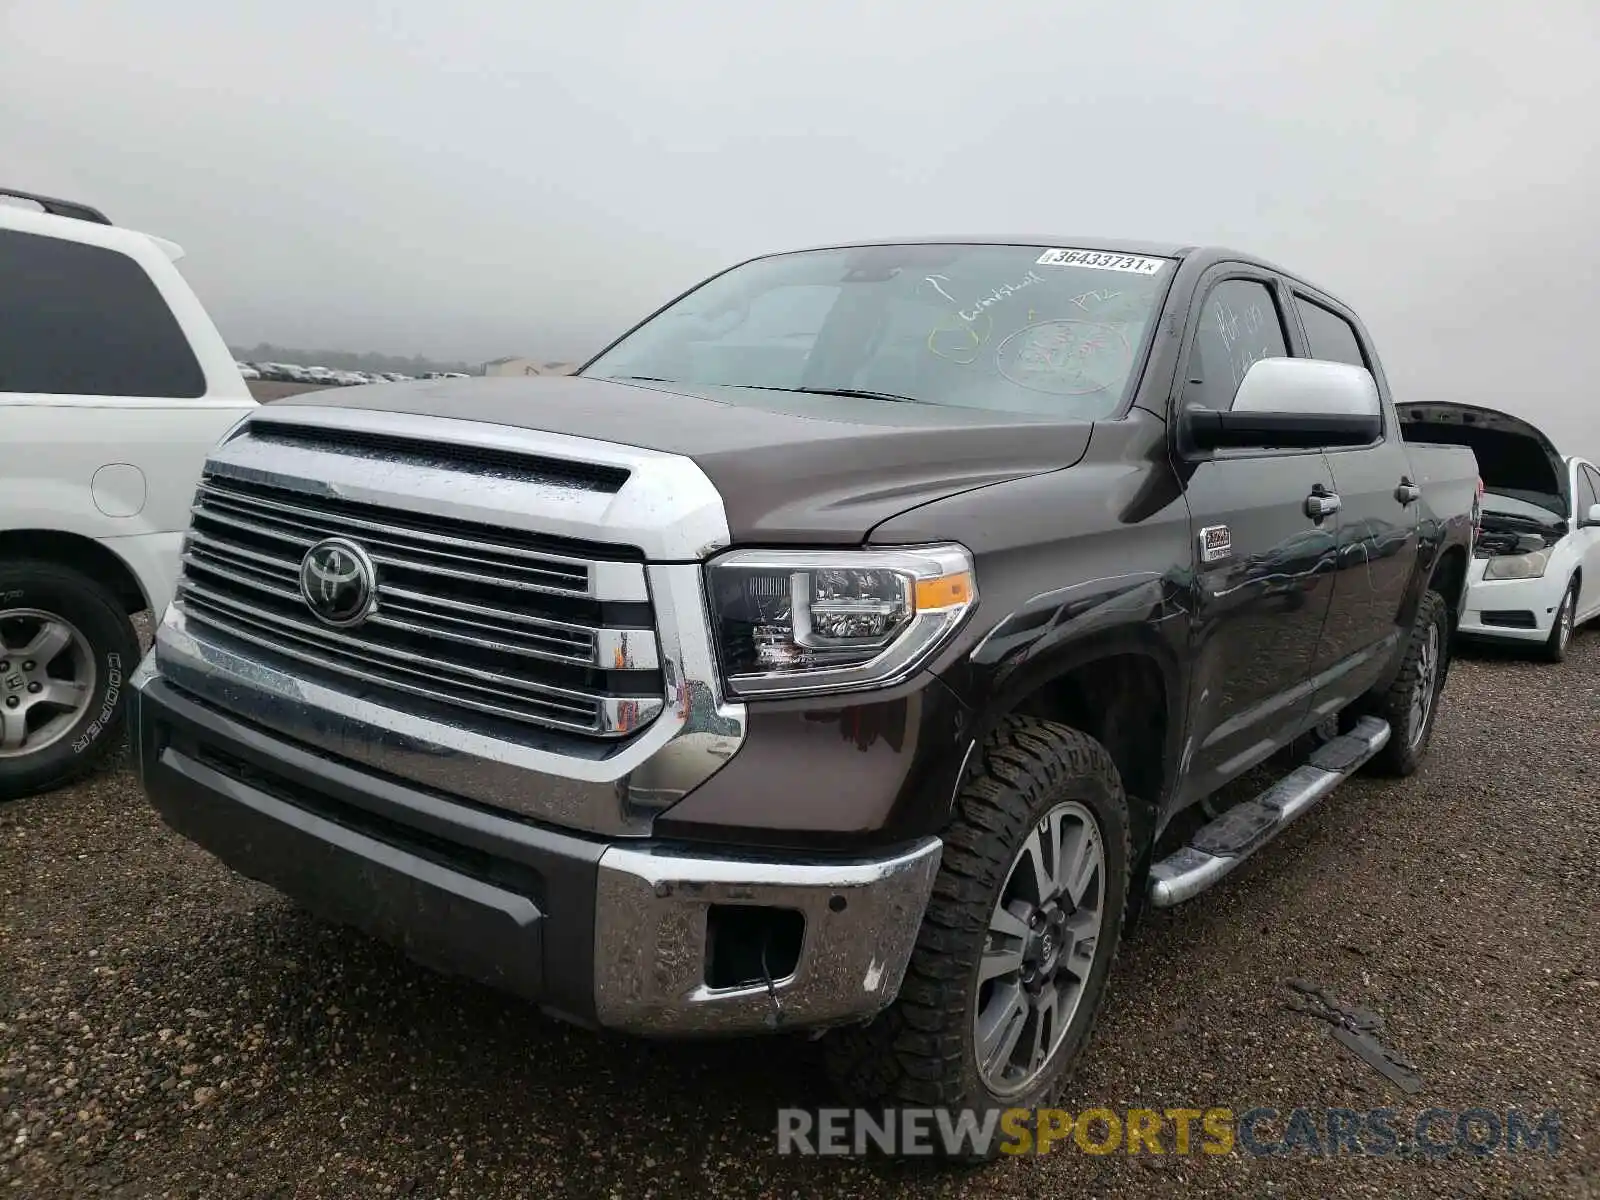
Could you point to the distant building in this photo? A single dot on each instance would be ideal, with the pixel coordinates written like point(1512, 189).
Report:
point(527, 366)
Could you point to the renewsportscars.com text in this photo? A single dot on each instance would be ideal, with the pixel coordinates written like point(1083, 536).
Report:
point(1259, 1132)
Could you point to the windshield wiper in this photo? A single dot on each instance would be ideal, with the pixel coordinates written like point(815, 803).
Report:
point(852, 393)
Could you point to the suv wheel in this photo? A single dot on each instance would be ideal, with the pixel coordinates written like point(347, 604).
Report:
point(1018, 942)
point(1412, 701)
point(66, 649)
point(1555, 650)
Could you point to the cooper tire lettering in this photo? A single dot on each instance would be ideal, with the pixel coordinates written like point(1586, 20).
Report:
point(108, 707)
point(106, 645)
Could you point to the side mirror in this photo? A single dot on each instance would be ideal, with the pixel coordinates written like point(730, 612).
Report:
point(1593, 517)
point(1291, 403)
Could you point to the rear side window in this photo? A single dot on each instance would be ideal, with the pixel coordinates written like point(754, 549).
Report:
point(1239, 326)
point(1329, 335)
point(87, 321)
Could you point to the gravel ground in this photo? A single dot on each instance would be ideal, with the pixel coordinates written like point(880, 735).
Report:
point(167, 1029)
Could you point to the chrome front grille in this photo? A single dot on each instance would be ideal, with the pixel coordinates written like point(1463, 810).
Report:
point(498, 623)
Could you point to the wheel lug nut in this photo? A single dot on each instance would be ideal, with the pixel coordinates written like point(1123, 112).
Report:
point(28, 666)
point(5, 664)
point(12, 702)
point(35, 688)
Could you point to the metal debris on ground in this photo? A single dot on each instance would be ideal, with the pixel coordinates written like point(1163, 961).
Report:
point(1355, 1028)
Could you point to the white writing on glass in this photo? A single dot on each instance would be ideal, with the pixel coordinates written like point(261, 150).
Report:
point(1242, 338)
point(1004, 292)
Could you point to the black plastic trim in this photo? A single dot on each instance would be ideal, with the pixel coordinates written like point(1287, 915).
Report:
point(458, 889)
point(60, 208)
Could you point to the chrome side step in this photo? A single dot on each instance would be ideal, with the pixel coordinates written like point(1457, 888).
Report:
point(1219, 847)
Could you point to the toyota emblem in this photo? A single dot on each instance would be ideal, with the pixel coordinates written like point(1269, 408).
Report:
point(338, 583)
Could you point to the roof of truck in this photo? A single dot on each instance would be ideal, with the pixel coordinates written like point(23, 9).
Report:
point(1204, 254)
point(1111, 245)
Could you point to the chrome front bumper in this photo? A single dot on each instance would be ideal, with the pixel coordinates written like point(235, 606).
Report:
point(861, 922)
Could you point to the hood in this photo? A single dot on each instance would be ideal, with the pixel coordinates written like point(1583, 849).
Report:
point(1515, 458)
point(791, 467)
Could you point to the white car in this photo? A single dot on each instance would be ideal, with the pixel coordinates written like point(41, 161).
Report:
point(114, 384)
point(1535, 572)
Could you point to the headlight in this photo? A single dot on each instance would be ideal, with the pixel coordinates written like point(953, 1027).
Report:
point(791, 622)
point(1517, 566)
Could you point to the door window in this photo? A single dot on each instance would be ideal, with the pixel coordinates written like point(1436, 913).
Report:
point(80, 320)
point(1588, 490)
point(1239, 326)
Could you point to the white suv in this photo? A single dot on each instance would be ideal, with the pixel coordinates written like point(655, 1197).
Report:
point(114, 384)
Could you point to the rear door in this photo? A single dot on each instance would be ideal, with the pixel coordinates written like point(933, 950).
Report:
point(1263, 567)
point(1379, 503)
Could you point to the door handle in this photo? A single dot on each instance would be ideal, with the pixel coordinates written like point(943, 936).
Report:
point(1407, 492)
point(1321, 503)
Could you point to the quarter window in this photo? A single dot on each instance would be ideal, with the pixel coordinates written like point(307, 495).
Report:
point(79, 320)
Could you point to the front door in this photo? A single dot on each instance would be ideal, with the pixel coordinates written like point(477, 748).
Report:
point(1264, 567)
point(1587, 490)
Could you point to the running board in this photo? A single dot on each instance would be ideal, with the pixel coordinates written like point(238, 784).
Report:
point(1219, 847)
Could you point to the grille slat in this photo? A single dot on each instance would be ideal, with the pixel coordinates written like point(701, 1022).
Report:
point(400, 548)
point(463, 618)
point(270, 639)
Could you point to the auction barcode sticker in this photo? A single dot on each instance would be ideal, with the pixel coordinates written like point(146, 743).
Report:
point(1099, 260)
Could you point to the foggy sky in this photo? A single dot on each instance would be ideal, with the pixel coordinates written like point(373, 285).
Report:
point(507, 178)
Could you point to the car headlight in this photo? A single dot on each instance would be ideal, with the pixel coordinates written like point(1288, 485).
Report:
point(791, 622)
point(1517, 566)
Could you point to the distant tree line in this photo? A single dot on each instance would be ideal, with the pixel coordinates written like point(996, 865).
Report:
point(345, 360)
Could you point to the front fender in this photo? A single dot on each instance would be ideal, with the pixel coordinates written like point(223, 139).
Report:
point(1058, 631)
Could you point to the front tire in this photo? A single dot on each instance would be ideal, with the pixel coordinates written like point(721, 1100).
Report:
point(66, 650)
point(1023, 927)
point(1555, 649)
point(1412, 701)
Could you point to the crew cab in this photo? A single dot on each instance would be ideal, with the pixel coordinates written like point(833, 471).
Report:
point(114, 383)
point(1535, 576)
point(854, 645)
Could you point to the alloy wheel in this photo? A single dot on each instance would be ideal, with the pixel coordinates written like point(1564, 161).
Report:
point(47, 680)
point(1427, 684)
point(1042, 941)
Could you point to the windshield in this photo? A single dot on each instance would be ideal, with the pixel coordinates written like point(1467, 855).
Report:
point(1019, 329)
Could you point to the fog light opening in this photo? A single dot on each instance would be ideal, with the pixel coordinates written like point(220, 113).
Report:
point(749, 944)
